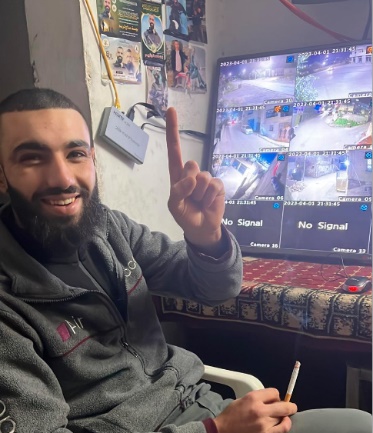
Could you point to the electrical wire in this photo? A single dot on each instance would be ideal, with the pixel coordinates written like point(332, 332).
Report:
point(303, 16)
point(102, 49)
point(197, 134)
point(131, 111)
point(337, 274)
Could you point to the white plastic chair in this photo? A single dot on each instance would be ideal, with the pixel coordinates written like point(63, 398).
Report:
point(241, 383)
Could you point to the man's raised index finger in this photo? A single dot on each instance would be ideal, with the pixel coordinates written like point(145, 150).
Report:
point(175, 160)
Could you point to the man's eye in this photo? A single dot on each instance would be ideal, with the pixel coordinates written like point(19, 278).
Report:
point(30, 158)
point(77, 154)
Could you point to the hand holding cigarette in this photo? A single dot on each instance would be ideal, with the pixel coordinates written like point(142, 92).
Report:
point(293, 379)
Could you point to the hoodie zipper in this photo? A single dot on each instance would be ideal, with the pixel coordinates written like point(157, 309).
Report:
point(111, 307)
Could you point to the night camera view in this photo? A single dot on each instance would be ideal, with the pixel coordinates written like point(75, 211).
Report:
point(333, 76)
point(332, 126)
point(257, 82)
point(292, 141)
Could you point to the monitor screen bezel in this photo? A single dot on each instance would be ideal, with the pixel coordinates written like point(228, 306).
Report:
point(288, 254)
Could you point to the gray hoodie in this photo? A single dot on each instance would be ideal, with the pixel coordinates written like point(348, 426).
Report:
point(70, 363)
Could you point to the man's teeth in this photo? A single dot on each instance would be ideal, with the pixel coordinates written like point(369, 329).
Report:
point(62, 202)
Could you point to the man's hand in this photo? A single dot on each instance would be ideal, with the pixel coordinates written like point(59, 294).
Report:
point(257, 412)
point(196, 198)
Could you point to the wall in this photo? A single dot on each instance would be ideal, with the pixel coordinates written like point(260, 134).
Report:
point(141, 191)
point(266, 25)
point(56, 46)
point(15, 65)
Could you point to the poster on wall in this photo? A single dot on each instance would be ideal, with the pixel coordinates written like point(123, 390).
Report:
point(196, 13)
point(157, 88)
point(185, 66)
point(176, 19)
point(119, 18)
point(152, 34)
point(124, 59)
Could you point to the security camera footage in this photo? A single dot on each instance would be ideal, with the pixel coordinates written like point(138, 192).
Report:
point(292, 143)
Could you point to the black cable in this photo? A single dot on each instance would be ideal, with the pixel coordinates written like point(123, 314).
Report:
point(197, 134)
point(152, 124)
point(338, 273)
point(131, 111)
point(154, 112)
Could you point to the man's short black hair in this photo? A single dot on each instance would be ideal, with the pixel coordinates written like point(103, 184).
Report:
point(36, 99)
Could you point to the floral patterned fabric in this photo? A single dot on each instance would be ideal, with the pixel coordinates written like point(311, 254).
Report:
point(299, 297)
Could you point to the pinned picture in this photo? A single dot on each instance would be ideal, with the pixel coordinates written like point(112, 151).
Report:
point(119, 19)
point(152, 34)
point(107, 17)
point(176, 19)
point(186, 66)
point(157, 88)
point(196, 12)
point(124, 59)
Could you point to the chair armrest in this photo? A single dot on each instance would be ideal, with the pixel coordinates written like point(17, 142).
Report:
point(241, 383)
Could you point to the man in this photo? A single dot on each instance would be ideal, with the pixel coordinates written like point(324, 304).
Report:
point(158, 93)
point(106, 13)
point(120, 56)
point(178, 59)
point(177, 17)
point(81, 347)
point(125, 60)
point(151, 38)
point(197, 25)
point(128, 65)
point(106, 19)
point(194, 74)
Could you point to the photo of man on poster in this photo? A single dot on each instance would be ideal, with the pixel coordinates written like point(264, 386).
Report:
point(151, 37)
point(106, 13)
point(124, 58)
point(119, 18)
point(158, 91)
point(125, 61)
point(196, 10)
point(176, 19)
point(106, 19)
point(186, 66)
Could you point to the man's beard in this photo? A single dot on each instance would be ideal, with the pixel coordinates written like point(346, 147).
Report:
point(62, 232)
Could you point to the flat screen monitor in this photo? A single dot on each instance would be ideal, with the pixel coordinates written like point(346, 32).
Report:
point(292, 143)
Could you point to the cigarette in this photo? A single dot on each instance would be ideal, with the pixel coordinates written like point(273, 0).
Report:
point(293, 379)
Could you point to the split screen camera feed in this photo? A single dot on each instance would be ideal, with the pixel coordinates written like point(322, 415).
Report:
point(292, 143)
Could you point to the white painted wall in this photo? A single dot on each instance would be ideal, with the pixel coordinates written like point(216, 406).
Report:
point(255, 26)
point(141, 191)
point(56, 46)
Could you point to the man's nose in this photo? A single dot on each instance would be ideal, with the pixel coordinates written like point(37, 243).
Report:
point(60, 173)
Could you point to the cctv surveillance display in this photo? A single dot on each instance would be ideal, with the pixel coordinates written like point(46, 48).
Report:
point(292, 143)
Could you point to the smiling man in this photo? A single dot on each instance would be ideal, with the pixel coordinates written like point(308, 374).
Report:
point(49, 175)
point(81, 348)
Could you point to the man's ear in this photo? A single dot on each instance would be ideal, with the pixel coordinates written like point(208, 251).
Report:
point(93, 155)
point(3, 181)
